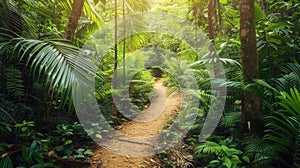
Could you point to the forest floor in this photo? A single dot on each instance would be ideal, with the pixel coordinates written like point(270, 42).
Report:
point(154, 118)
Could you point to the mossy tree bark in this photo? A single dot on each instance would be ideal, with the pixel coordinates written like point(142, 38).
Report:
point(250, 102)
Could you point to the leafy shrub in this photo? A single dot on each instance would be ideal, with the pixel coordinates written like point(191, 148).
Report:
point(221, 154)
point(283, 130)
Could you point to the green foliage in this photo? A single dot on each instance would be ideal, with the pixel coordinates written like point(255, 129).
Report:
point(37, 148)
point(57, 59)
point(32, 155)
point(6, 162)
point(141, 88)
point(231, 120)
point(225, 156)
point(14, 83)
point(259, 13)
point(82, 153)
point(283, 129)
point(68, 135)
point(26, 129)
point(276, 44)
point(5, 127)
point(137, 81)
point(32, 33)
point(224, 2)
point(258, 151)
point(279, 146)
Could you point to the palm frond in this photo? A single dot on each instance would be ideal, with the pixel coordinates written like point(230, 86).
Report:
point(287, 81)
point(92, 14)
point(258, 151)
point(211, 61)
point(283, 129)
point(292, 67)
point(57, 59)
point(12, 21)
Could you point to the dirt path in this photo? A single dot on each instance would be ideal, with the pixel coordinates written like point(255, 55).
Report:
point(132, 137)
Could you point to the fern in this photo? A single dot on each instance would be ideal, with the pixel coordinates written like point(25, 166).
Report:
point(283, 129)
point(14, 82)
point(226, 156)
point(258, 151)
point(208, 147)
point(231, 119)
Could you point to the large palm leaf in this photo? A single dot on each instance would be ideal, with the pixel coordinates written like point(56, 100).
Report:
point(88, 9)
point(13, 20)
point(58, 12)
point(59, 61)
point(283, 130)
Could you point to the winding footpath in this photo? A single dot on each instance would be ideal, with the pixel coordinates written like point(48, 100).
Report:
point(132, 137)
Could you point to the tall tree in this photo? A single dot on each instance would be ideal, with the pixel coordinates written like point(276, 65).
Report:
point(115, 82)
point(251, 102)
point(116, 37)
point(219, 18)
point(124, 43)
point(74, 18)
point(210, 20)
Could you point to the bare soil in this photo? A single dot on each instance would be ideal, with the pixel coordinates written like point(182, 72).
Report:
point(148, 123)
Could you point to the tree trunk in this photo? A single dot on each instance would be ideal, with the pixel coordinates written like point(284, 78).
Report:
point(74, 18)
point(215, 21)
point(124, 44)
point(219, 18)
point(115, 81)
point(116, 38)
point(210, 22)
point(195, 13)
point(250, 102)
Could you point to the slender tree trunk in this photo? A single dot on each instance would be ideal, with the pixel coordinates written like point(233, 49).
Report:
point(210, 21)
point(74, 18)
point(124, 44)
point(116, 38)
point(195, 13)
point(200, 16)
point(215, 13)
point(125, 103)
point(115, 81)
point(251, 102)
point(219, 17)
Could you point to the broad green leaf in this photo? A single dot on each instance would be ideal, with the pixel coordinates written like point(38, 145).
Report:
point(39, 158)
point(227, 162)
point(88, 152)
point(225, 2)
point(25, 154)
point(79, 156)
point(32, 148)
point(259, 12)
point(6, 162)
point(246, 158)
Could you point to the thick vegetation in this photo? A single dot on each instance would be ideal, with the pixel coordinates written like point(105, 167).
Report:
point(40, 42)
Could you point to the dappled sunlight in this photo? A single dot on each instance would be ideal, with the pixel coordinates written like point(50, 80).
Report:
point(149, 83)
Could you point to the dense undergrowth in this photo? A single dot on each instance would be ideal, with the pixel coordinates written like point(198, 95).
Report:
point(39, 127)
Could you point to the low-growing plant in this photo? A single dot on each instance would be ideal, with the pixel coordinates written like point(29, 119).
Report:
point(221, 154)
